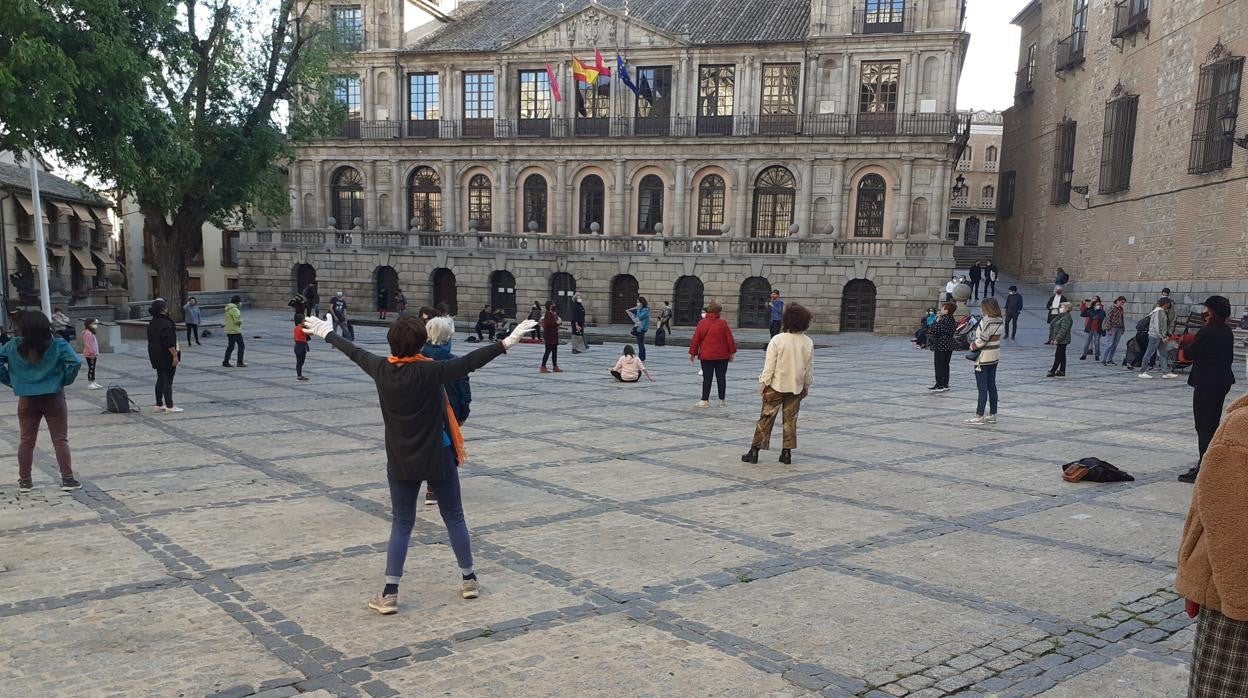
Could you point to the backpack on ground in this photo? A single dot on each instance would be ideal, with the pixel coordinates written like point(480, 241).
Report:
point(660, 338)
point(1094, 470)
point(117, 400)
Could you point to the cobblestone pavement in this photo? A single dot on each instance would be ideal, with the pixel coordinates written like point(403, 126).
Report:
point(623, 547)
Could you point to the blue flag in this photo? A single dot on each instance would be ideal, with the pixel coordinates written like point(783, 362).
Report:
point(622, 74)
point(646, 93)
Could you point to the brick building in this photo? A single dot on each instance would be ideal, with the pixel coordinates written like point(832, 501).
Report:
point(1123, 160)
point(807, 145)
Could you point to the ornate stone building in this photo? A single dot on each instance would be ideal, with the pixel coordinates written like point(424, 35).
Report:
point(973, 209)
point(1123, 157)
point(807, 145)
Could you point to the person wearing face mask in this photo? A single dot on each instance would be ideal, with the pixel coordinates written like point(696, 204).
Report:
point(940, 340)
point(578, 325)
point(1093, 312)
point(1212, 354)
point(1115, 325)
point(1013, 308)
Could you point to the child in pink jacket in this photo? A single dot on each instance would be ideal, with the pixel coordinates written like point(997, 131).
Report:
point(91, 350)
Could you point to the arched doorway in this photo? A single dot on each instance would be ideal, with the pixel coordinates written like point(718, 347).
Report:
point(445, 290)
point(562, 289)
point(687, 304)
point(858, 306)
point(386, 278)
point(970, 236)
point(503, 292)
point(593, 204)
point(623, 298)
point(775, 197)
point(424, 202)
point(753, 310)
point(304, 275)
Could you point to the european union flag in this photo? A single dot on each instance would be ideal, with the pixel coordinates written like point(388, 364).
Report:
point(622, 74)
point(646, 93)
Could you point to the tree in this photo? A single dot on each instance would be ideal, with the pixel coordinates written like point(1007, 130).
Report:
point(179, 104)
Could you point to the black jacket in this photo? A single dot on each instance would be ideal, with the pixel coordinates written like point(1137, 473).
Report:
point(976, 273)
point(412, 406)
point(578, 314)
point(1212, 354)
point(940, 336)
point(1014, 303)
point(162, 335)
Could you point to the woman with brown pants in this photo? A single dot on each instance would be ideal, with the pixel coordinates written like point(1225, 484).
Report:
point(784, 382)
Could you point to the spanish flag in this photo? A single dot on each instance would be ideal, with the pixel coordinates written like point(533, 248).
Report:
point(584, 73)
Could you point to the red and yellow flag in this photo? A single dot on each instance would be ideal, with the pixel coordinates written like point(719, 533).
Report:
point(584, 73)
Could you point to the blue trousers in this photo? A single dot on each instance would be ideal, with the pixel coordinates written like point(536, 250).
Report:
point(986, 381)
point(403, 501)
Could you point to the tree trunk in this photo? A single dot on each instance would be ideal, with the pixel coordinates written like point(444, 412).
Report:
point(172, 246)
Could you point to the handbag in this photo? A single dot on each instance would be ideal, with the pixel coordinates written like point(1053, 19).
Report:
point(973, 355)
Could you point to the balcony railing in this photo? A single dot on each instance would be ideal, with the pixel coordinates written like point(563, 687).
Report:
point(960, 202)
point(884, 18)
point(57, 233)
point(1070, 51)
point(1130, 16)
point(1024, 82)
point(991, 166)
point(963, 166)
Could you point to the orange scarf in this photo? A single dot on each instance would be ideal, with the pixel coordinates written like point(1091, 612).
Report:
point(452, 422)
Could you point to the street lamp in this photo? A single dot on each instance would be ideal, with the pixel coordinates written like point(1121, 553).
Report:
point(958, 184)
point(1227, 122)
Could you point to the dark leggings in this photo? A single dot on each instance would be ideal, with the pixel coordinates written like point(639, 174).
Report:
point(620, 378)
point(941, 360)
point(164, 385)
point(91, 368)
point(1059, 359)
point(301, 355)
point(552, 353)
point(1207, 403)
point(235, 340)
point(192, 329)
point(717, 369)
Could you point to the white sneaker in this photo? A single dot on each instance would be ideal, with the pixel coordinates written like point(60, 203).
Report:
point(158, 408)
point(174, 409)
point(95, 386)
point(699, 371)
point(723, 404)
point(1171, 375)
point(990, 419)
point(1145, 375)
point(702, 403)
point(976, 421)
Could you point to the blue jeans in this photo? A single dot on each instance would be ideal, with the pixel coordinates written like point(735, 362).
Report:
point(1114, 336)
point(1094, 341)
point(403, 500)
point(640, 336)
point(986, 381)
point(1154, 350)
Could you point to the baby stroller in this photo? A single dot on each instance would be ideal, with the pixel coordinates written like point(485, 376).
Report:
point(962, 335)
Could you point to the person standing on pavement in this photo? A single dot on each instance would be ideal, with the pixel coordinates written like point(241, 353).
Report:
point(1093, 313)
point(400, 302)
point(1013, 308)
point(536, 315)
point(940, 339)
point(775, 308)
point(234, 331)
point(714, 345)
point(1115, 326)
point(423, 440)
point(1213, 569)
point(1158, 320)
point(990, 279)
point(788, 371)
point(193, 317)
point(38, 365)
point(1212, 354)
point(640, 315)
point(976, 274)
point(91, 350)
point(987, 342)
point(551, 329)
point(439, 331)
point(163, 353)
point(579, 345)
point(1054, 306)
point(1059, 336)
point(338, 310)
point(383, 302)
point(301, 347)
point(313, 299)
point(665, 317)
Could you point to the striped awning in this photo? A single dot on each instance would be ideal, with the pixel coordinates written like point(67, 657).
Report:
point(83, 257)
point(29, 251)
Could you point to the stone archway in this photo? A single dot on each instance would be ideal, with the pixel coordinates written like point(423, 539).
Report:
point(445, 289)
point(687, 300)
point(858, 306)
point(753, 311)
point(623, 298)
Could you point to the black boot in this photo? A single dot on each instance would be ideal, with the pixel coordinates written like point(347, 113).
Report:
point(1190, 476)
point(751, 456)
point(786, 456)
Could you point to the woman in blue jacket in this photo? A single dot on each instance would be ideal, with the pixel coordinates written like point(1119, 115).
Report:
point(38, 366)
point(640, 315)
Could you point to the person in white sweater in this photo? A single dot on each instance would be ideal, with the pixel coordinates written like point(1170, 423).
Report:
point(628, 368)
point(784, 382)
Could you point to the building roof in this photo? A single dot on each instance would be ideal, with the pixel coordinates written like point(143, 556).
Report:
point(17, 178)
point(487, 25)
point(1031, 7)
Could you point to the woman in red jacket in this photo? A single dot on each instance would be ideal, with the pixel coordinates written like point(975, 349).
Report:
point(713, 343)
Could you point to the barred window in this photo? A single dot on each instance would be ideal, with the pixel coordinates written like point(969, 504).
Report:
point(1219, 96)
point(715, 90)
point(711, 205)
point(780, 85)
point(478, 95)
point(1118, 144)
point(481, 202)
point(1005, 204)
point(869, 221)
point(775, 195)
point(1063, 163)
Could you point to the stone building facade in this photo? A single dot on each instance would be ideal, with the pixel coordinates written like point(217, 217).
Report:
point(1123, 157)
point(807, 145)
point(973, 209)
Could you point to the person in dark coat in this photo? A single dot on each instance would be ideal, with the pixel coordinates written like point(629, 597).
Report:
point(578, 325)
point(312, 299)
point(383, 302)
point(550, 335)
point(162, 352)
point(1013, 308)
point(940, 340)
point(975, 275)
point(423, 440)
point(1212, 354)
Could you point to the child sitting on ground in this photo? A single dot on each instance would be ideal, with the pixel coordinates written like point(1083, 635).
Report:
point(629, 368)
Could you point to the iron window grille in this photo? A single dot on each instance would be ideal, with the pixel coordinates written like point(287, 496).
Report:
point(1063, 162)
point(1118, 144)
point(1212, 147)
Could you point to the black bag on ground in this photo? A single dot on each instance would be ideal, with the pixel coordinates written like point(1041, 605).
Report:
point(117, 400)
point(660, 338)
point(1094, 470)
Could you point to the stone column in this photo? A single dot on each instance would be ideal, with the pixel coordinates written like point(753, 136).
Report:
point(847, 75)
point(321, 187)
point(559, 223)
point(296, 198)
point(676, 226)
point(742, 212)
point(914, 81)
point(806, 201)
point(504, 190)
point(619, 204)
point(743, 94)
point(454, 106)
point(901, 228)
point(951, 83)
point(939, 208)
point(398, 200)
point(683, 82)
point(502, 91)
point(838, 198)
point(450, 220)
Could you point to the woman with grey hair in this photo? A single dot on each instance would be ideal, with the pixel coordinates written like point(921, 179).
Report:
point(439, 331)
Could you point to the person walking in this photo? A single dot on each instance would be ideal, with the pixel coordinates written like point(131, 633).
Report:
point(976, 274)
point(714, 346)
point(775, 309)
point(383, 302)
point(439, 331)
point(234, 331)
point(640, 315)
point(1213, 570)
point(665, 317)
point(91, 351)
point(38, 365)
point(1115, 326)
point(338, 310)
point(551, 329)
point(312, 299)
point(300, 337)
point(1093, 313)
point(400, 302)
point(1158, 320)
point(193, 317)
point(940, 339)
point(536, 315)
point(990, 279)
point(1013, 308)
point(422, 436)
point(628, 368)
point(1212, 354)
point(788, 371)
point(163, 353)
point(987, 342)
point(579, 346)
point(1059, 336)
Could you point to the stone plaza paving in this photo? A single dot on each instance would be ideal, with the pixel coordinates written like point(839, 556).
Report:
point(623, 547)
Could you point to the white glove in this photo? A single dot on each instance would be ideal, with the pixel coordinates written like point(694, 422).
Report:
point(517, 334)
point(317, 326)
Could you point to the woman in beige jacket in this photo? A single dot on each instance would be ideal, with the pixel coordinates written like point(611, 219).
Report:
point(785, 380)
point(1213, 562)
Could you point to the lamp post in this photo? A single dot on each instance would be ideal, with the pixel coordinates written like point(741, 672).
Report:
point(1227, 123)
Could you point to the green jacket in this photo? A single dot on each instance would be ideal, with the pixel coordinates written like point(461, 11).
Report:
point(1059, 329)
point(233, 319)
